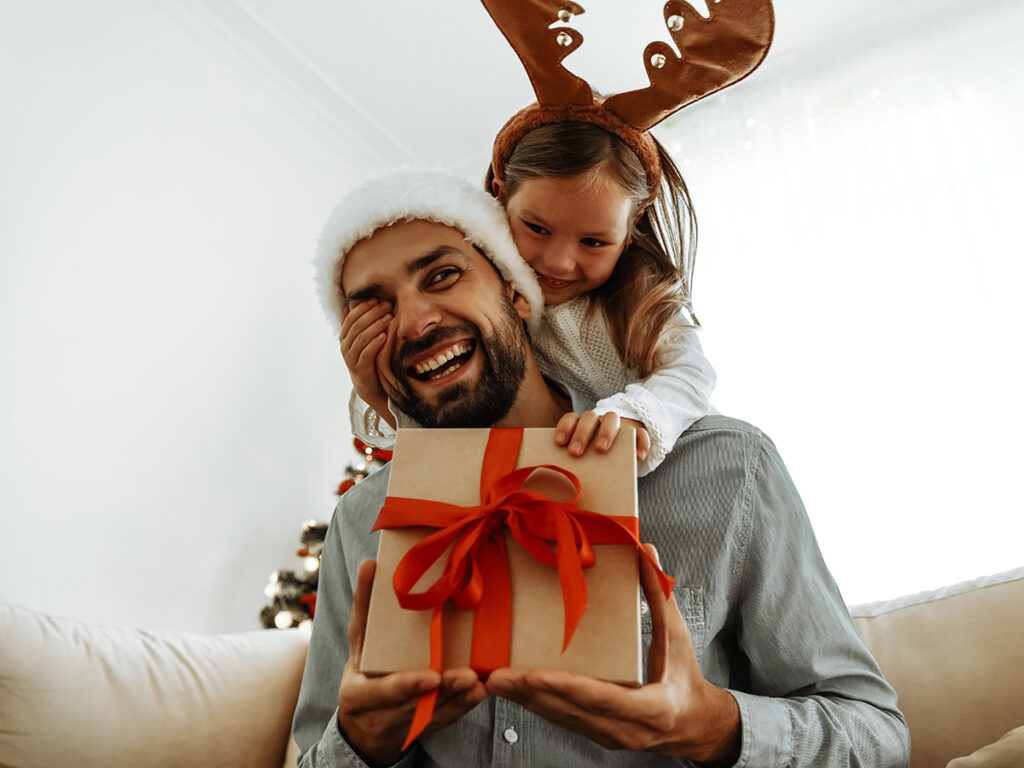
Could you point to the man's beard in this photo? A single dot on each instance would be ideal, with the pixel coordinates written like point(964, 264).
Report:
point(464, 404)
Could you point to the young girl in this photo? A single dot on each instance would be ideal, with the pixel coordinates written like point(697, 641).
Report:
point(613, 258)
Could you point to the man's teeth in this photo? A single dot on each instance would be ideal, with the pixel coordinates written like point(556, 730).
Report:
point(433, 364)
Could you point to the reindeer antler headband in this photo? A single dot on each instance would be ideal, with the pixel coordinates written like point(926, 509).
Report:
point(716, 52)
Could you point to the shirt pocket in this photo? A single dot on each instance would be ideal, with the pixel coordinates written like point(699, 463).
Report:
point(691, 605)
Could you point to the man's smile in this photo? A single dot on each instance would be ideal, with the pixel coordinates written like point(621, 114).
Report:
point(443, 361)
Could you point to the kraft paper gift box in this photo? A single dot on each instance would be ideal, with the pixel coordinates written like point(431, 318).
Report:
point(445, 465)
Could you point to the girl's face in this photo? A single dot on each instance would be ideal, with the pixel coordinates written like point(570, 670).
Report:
point(571, 230)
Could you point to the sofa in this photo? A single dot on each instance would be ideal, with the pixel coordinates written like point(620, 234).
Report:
point(83, 695)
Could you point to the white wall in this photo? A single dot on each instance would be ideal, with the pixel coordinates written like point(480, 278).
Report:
point(859, 275)
point(171, 407)
point(171, 402)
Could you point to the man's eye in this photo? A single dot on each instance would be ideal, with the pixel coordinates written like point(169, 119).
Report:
point(443, 277)
point(535, 228)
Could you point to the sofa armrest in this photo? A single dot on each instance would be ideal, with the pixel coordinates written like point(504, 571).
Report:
point(956, 660)
point(74, 693)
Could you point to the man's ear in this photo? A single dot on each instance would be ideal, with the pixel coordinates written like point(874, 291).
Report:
point(520, 303)
point(498, 189)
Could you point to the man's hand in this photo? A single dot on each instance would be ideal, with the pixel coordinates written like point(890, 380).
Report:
point(578, 430)
point(363, 335)
point(678, 713)
point(374, 713)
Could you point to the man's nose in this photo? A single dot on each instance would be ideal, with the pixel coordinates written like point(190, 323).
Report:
point(415, 313)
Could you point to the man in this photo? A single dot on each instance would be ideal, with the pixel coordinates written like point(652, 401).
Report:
point(754, 662)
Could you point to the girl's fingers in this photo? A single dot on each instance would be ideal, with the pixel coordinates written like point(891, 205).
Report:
point(643, 443)
point(358, 338)
point(367, 355)
point(565, 427)
point(584, 433)
point(606, 432)
point(361, 318)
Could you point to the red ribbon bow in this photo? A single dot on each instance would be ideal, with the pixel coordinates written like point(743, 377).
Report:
point(475, 575)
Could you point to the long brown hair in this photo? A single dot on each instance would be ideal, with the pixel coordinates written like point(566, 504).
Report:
point(652, 279)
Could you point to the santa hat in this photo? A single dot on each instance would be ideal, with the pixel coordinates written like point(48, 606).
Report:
point(410, 194)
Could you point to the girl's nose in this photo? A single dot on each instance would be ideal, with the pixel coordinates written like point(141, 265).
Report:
point(559, 259)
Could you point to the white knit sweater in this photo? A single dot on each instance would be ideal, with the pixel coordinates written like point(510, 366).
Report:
point(577, 351)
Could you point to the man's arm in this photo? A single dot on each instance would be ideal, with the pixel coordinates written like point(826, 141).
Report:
point(814, 695)
point(374, 713)
point(343, 717)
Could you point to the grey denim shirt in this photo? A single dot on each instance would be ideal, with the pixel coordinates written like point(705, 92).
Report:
point(767, 620)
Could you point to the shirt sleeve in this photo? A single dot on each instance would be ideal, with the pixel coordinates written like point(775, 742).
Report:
point(815, 695)
point(671, 399)
point(315, 725)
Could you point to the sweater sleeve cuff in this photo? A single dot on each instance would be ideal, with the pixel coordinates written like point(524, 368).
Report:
point(629, 408)
point(767, 731)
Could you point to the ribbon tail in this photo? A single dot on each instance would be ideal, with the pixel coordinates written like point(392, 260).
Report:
point(492, 618)
point(425, 705)
point(570, 574)
point(422, 717)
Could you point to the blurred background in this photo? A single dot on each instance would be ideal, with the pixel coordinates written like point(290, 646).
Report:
point(172, 404)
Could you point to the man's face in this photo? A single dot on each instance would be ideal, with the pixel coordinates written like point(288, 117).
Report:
point(456, 349)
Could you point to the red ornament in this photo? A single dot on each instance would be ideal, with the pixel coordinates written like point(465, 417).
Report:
point(344, 485)
point(309, 600)
point(380, 454)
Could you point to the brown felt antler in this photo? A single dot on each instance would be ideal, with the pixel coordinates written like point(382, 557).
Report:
point(715, 53)
point(526, 25)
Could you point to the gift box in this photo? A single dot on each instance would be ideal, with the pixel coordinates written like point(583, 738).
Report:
point(438, 474)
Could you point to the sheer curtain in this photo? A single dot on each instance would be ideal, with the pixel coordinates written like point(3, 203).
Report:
point(860, 204)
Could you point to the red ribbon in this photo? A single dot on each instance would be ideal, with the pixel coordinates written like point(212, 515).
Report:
point(476, 576)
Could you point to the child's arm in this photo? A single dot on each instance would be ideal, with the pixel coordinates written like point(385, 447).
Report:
point(671, 399)
point(661, 407)
point(363, 334)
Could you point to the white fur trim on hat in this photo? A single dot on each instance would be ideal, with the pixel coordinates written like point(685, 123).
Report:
point(410, 194)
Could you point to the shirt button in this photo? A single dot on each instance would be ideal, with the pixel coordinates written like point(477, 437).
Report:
point(644, 608)
point(510, 735)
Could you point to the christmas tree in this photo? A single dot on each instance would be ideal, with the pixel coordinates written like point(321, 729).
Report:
point(293, 594)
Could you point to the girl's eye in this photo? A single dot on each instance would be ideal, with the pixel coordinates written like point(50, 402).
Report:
point(443, 277)
point(535, 228)
point(593, 242)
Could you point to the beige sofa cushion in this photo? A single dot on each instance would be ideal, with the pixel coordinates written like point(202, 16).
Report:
point(1008, 752)
point(84, 695)
point(956, 659)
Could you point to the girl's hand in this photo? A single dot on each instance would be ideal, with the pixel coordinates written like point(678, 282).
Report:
point(363, 335)
point(577, 431)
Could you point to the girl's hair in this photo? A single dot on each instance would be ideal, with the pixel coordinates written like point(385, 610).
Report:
point(651, 281)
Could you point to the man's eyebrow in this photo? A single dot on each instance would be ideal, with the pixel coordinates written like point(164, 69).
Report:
point(417, 265)
point(376, 290)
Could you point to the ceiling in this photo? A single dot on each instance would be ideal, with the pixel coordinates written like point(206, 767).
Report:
point(431, 83)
